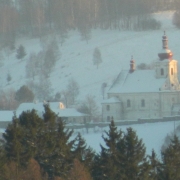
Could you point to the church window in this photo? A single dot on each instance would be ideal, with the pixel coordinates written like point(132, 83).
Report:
point(162, 71)
point(172, 71)
point(108, 107)
point(142, 103)
point(128, 103)
point(108, 118)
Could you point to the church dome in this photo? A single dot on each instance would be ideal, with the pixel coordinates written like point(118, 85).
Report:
point(165, 53)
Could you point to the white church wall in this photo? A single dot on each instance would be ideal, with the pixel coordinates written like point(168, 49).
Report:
point(111, 110)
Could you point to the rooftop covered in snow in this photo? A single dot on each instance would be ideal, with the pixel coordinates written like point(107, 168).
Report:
point(136, 82)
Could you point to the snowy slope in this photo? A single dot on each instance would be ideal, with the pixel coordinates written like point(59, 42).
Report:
point(76, 57)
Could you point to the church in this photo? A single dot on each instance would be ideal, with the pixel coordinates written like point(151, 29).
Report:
point(150, 94)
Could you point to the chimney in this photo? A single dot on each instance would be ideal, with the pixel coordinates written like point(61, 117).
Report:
point(132, 65)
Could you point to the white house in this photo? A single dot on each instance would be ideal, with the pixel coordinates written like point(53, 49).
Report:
point(70, 115)
point(145, 93)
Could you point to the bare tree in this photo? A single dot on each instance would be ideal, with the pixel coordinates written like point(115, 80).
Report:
point(7, 100)
point(89, 106)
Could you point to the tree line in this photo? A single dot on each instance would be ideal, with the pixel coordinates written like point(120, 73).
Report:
point(41, 17)
point(34, 147)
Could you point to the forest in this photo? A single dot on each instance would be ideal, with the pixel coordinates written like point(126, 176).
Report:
point(29, 18)
point(41, 148)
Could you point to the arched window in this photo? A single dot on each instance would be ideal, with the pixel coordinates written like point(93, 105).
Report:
point(142, 103)
point(108, 107)
point(128, 103)
point(162, 72)
point(172, 71)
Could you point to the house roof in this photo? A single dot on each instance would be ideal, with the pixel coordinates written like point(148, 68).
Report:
point(54, 106)
point(136, 82)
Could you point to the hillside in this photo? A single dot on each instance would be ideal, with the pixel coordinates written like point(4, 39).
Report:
point(116, 48)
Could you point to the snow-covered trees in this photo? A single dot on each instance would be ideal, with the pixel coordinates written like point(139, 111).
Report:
point(97, 57)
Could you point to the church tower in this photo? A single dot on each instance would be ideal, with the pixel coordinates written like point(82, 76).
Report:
point(166, 67)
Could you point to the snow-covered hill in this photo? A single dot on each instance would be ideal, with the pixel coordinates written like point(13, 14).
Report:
point(116, 48)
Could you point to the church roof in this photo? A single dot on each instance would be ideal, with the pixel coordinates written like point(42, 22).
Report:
point(137, 82)
point(111, 100)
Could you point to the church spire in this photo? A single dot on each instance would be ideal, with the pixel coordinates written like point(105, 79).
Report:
point(165, 41)
point(166, 53)
point(132, 65)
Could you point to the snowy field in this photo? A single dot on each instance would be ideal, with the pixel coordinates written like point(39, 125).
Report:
point(152, 134)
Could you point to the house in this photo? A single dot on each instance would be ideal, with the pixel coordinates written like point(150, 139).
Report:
point(70, 115)
point(152, 93)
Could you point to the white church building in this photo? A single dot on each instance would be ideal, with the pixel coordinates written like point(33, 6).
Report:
point(148, 93)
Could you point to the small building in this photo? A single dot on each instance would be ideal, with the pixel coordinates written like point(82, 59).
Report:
point(70, 115)
point(150, 93)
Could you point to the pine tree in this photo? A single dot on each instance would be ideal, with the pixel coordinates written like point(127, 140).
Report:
point(83, 153)
point(97, 57)
point(154, 166)
point(32, 125)
point(135, 164)
point(171, 161)
point(110, 168)
point(15, 151)
point(20, 52)
point(55, 147)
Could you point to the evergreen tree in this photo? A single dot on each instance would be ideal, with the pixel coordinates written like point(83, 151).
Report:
point(33, 126)
point(110, 168)
point(55, 147)
point(15, 151)
point(20, 53)
point(135, 164)
point(154, 166)
point(9, 78)
point(97, 57)
point(24, 94)
point(171, 161)
point(83, 153)
point(97, 170)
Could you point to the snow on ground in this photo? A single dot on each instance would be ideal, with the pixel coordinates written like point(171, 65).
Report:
point(152, 134)
point(116, 48)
